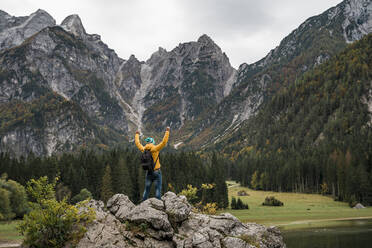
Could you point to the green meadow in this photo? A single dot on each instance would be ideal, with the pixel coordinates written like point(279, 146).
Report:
point(299, 210)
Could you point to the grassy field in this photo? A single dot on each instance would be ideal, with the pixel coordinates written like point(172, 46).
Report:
point(299, 210)
point(8, 233)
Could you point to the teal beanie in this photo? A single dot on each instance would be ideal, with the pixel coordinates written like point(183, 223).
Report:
point(150, 140)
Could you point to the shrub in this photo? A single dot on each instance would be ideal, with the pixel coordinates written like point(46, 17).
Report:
point(272, 201)
point(238, 204)
point(13, 199)
point(83, 195)
point(209, 208)
point(52, 223)
point(352, 201)
point(18, 198)
point(251, 240)
point(190, 193)
point(5, 209)
point(233, 203)
point(201, 206)
point(136, 227)
point(241, 205)
point(242, 193)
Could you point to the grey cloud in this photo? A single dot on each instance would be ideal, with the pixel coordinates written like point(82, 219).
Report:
point(226, 17)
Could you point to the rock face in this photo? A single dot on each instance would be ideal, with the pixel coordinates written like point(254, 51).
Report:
point(118, 96)
point(15, 30)
point(67, 63)
point(171, 223)
point(174, 87)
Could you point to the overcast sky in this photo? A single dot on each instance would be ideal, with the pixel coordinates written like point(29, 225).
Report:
point(245, 29)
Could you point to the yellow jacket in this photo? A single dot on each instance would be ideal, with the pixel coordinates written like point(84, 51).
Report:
point(154, 149)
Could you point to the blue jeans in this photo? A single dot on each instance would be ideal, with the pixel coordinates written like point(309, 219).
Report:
point(155, 176)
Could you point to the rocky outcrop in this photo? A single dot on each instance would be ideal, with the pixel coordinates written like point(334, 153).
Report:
point(180, 85)
point(69, 63)
point(358, 19)
point(15, 30)
point(171, 223)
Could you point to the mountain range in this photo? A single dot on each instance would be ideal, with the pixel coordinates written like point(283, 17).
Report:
point(62, 89)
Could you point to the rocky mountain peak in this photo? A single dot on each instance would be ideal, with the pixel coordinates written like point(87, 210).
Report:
point(205, 39)
point(42, 12)
point(160, 54)
point(73, 24)
point(40, 18)
point(15, 30)
point(3, 13)
point(132, 58)
point(162, 50)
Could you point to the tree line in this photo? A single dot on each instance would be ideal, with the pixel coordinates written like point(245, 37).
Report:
point(104, 173)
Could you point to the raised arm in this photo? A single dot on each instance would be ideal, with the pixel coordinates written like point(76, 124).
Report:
point(163, 142)
point(138, 143)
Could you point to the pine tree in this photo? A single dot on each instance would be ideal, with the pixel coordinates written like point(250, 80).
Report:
point(233, 203)
point(121, 181)
point(239, 204)
point(255, 180)
point(106, 189)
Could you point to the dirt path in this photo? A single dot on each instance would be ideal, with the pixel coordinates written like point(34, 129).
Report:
point(8, 244)
point(322, 220)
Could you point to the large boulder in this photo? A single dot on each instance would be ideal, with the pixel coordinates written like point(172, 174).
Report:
point(177, 207)
point(106, 231)
point(359, 206)
point(152, 212)
point(171, 223)
point(120, 206)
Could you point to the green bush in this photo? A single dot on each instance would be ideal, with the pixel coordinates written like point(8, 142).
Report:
point(352, 201)
point(13, 199)
point(190, 194)
point(238, 204)
point(83, 195)
point(52, 223)
point(18, 198)
point(5, 209)
point(272, 201)
point(233, 203)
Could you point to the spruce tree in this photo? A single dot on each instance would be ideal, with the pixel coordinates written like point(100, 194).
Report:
point(233, 203)
point(106, 189)
point(121, 181)
point(239, 204)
